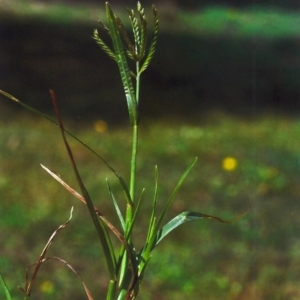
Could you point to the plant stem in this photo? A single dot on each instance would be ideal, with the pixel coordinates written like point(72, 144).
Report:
point(137, 84)
point(132, 173)
point(111, 290)
point(134, 150)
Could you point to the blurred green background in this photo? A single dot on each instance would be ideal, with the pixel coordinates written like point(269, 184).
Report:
point(223, 86)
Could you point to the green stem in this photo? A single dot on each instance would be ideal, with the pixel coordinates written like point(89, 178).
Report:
point(111, 290)
point(137, 85)
point(130, 206)
point(134, 152)
point(132, 174)
point(129, 211)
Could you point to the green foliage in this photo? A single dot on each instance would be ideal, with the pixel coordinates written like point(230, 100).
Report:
point(259, 22)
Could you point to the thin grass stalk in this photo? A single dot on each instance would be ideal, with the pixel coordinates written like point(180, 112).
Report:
point(99, 225)
point(138, 77)
point(153, 211)
point(132, 172)
point(4, 286)
point(111, 291)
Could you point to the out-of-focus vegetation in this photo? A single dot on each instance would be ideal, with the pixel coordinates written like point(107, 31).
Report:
point(255, 20)
point(248, 22)
point(243, 164)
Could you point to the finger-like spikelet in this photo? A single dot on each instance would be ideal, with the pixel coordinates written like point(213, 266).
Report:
point(153, 43)
point(103, 46)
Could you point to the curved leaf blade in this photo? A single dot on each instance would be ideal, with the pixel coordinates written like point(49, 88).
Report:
point(117, 208)
point(29, 284)
point(177, 187)
point(6, 291)
point(99, 226)
point(180, 219)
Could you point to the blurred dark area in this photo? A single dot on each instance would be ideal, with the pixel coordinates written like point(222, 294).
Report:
point(190, 73)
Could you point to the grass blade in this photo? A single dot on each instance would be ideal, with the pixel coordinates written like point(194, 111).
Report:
point(152, 218)
point(99, 226)
point(120, 216)
point(87, 291)
point(170, 200)
point(123, 259)
point(135, 214)
point(182, 218)
point(28, 285)
point(4, 286)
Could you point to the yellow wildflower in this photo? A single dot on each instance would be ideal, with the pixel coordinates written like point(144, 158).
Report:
point(229, 163)
point(47, 287)
point(100, 126)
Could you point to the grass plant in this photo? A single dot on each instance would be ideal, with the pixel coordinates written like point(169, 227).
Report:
point(126, 263)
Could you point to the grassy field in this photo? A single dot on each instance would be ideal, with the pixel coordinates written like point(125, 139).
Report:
point(254, 258)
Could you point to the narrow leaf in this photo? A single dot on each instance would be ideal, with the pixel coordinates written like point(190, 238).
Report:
point(123, 257)
point(64, 184)
point(153, 211)
point(137, 209)
point(181, 219)
point(4, 286)
point(28, 285)
point(170, 200)
point(87, 291)
point(126, 191)
point(144, 254)
point(99, 226)
point(120, 216)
